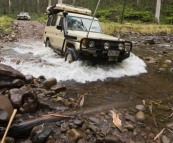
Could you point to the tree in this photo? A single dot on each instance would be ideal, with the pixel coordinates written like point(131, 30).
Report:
point(9, 2)
point(49, 2)
point(74, 1)
point(157, 14)
point(38, 6)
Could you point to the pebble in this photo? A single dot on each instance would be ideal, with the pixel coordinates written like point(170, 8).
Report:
point(140, 116)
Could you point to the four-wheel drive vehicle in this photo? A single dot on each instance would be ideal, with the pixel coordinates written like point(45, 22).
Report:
point(23, 16)
point(74, 34)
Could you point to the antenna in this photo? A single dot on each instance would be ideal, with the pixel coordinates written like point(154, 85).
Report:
point(93, 18)
point(122, 17)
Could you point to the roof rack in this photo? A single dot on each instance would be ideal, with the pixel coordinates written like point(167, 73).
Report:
point(70, 8)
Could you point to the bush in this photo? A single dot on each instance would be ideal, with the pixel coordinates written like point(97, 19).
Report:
point(5, 23)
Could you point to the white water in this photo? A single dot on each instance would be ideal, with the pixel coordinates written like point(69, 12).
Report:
point(54, 66)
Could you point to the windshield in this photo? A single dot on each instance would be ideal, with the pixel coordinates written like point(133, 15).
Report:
point(83, 24)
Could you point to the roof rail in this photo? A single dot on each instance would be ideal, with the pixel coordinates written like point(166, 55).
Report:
point(70, 8)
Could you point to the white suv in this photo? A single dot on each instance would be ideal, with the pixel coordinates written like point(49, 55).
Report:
point(74, 34)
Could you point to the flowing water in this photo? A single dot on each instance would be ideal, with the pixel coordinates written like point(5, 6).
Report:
point(50, 65)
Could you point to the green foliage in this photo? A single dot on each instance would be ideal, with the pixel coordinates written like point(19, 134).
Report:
point(144, 16)
point(169, 20)
point(5, 23)
point(39, 17)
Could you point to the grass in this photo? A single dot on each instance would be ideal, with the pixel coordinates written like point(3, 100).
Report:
point(110, 27)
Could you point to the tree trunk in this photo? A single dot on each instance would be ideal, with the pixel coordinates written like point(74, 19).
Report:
point(49, 2)
point(9, 2)
point(138, 2)
point(38, 6)
point(74, 1)
point(60, 1)
point(157, 14)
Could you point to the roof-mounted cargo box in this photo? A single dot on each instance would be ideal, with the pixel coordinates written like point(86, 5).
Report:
point(70, 8)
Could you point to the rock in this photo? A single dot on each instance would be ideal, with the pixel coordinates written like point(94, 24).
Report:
point(112, 139)
point(50, 140)
point(15, 96)
point(30, 102)
point(49, 83)
point(129, 127)
point(17, 83)
point(94, 120)
point(25, 89)
point(29, 78)
point(165, 139)
point(74, 135)
point(6, 109)
point(35, 130)
point(99, 140)
point(58, 87)
point(140, 107)
point(8, 75)
point(140, 116)
point(42, 136)
point(9, 140)
point(81, 141)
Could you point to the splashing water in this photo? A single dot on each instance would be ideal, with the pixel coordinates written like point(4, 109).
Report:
point(52, 65)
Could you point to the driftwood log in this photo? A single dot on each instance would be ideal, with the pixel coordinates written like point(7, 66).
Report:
point(23, 129)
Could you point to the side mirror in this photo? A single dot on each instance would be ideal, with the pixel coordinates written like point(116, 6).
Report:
point(59, 27)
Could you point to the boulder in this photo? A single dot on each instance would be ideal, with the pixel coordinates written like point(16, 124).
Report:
point(6, 109)
point(8, 76)
point(30, 102)
point(15, 96)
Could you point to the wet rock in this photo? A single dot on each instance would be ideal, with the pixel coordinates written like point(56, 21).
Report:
point(112, 139)
point(42, 136)
point(30, 102)
point(35, 130)
point(162, 69)
point(6, 109)
point(50, 140)
point(165, 139)
point(49, 83)
point(99, 140)
point(140, 107)
point(94, 120)
point(74, 135)
point(24, 89)
point(17, 83)
point(15, 96)
point(27, 141)
point(58, 87)
point(129, 127)
point(8, 75)
point(140, 116)
point(78, 122)
point(29, 78)
point(9, 140)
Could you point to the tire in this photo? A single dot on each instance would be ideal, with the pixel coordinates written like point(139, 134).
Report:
point(47, 43)
point(70, 55)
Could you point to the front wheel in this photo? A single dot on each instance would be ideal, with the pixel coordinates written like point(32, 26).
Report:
point(70, 55)
point(47, 43)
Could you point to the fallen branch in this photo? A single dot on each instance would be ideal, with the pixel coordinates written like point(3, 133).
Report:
point(159, 134)
point(59, 115)
point(151, 111)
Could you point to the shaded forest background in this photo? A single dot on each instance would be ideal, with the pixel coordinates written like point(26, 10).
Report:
point(138, 11)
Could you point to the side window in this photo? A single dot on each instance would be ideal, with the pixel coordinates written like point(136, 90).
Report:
point(54, 20)
point(49, 21)
point(61, 21)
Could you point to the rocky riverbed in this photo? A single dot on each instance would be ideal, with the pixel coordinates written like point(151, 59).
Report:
point(129, 109)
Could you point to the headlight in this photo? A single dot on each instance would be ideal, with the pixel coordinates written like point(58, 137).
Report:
point(121, 47)
point(84, 41)
point(128, 46)
point(106, 46)
point(91, 44)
